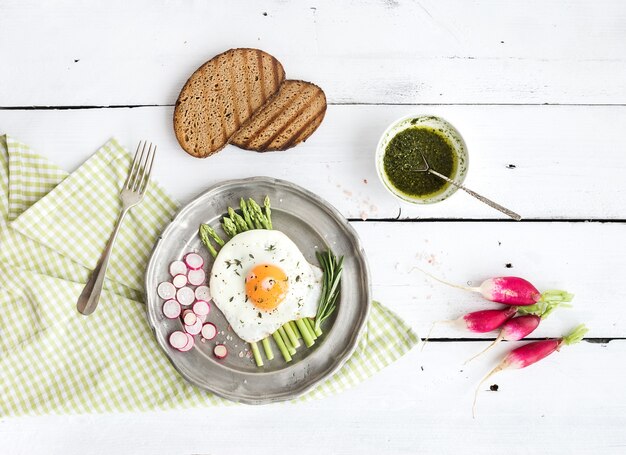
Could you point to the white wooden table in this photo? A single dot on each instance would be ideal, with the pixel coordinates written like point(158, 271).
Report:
point(538, 89)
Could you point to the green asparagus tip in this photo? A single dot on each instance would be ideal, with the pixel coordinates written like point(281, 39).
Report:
point(257, 354)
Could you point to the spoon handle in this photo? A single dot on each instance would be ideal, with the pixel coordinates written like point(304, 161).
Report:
point(483, 199)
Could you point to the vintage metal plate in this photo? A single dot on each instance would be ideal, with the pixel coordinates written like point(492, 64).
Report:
point(312, 224)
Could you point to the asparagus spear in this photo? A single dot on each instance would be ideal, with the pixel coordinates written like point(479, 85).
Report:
point(241, 224)
point(229, 227)
point(256, 209)
point(212, 233)
point(268, 211)
point(257, 354)
point(293, 339)
point(281, 346)
point(306, 334)
point(285, 338)
point(268, 348)
point(205, 238)
point(246, 213)
point(294, 327)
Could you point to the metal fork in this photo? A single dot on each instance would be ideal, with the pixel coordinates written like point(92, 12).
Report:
point(132, 193)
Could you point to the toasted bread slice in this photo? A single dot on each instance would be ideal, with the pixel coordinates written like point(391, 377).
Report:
point(221, 96)
point(287, 119)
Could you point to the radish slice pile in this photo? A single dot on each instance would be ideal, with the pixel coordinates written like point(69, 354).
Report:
point(178, 339)
point(189, 345)
point(194, 261)
point(171, 309)
point(185, 296)
point(178, 268)
point(201, 308)
point(179, 280)
point(179, 293)
point(166, 290)
point(220, 351)
point(195, 328)
point(208, 331)
point(189, 317)
point(202, 293)
point(196, 277)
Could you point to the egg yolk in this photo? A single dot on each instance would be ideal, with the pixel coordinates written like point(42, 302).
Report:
point(266, 286)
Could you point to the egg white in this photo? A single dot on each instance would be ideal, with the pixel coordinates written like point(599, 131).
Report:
point(233, 263)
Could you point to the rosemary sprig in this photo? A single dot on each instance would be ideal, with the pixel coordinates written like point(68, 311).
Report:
point(332, 268)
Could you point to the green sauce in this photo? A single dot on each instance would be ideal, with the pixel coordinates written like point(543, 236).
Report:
point(404, 151)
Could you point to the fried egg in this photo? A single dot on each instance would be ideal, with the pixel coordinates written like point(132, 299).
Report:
point(260, 280)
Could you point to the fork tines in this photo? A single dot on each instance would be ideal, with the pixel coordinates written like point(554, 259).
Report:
point(139, 174)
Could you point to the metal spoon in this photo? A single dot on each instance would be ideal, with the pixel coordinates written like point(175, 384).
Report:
point(482, 199)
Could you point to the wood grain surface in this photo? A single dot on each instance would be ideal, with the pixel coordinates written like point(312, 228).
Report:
point(538, 91)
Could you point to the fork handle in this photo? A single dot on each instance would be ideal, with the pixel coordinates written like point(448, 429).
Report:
point(482, 199)
point(89, 298)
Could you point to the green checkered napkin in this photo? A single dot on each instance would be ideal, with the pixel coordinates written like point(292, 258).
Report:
point(53, 227)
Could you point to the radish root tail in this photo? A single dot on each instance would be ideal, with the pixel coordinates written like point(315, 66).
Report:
point(430, 275)
point(491, 373)
point(425, 340)
point(496, 341)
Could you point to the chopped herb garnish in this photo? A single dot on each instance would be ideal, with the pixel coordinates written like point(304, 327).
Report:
point(270, 248)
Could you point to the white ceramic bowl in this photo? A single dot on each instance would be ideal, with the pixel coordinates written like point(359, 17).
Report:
point(451, 133)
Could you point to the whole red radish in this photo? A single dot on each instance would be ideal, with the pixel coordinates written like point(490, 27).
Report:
point(487, 320)
point(531, 353)
point(480, 321)
point(520, 327)
point(510, 290)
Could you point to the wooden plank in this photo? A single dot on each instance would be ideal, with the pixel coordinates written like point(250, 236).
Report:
point(569, 403)
point(123, 53)
point(582, 258)
point(533, 159)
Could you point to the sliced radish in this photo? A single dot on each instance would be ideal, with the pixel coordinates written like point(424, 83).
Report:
point(178, 268)
point(189, 345)
point(208, 331)
point(166, 290)
point(194, 328)
point(185, 296)
point(201, 308)
point(194, 261)
point(202, 317)
point(196, 277)
point(179, 281)
point(189, 317)
point(220, 351)
point(171, 309)
point(178, 339)
point(203, 293)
